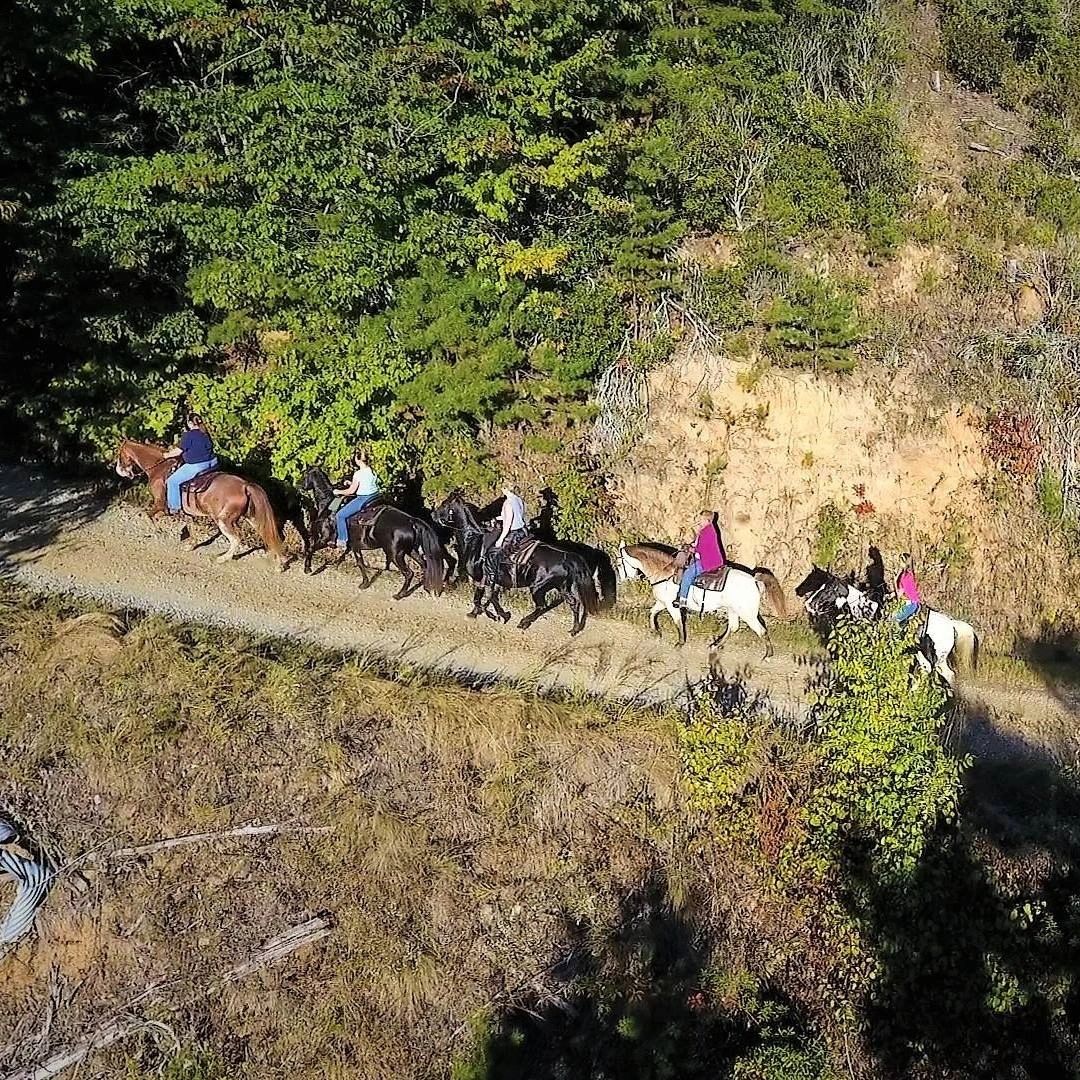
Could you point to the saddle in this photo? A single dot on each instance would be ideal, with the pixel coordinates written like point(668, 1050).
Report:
point(713, 581)
point(368, 516)
point(516, 557)
point(191, 489)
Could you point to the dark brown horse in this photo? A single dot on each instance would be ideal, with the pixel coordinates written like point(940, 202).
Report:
point(221, 497)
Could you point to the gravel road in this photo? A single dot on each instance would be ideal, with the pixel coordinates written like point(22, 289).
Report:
point(62, 537)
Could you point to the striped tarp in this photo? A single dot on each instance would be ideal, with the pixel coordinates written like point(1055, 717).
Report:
point(32, 880)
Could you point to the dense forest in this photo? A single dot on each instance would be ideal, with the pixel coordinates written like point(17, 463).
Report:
point(419, 223)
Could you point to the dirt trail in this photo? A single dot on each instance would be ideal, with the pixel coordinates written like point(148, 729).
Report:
point(63, 538)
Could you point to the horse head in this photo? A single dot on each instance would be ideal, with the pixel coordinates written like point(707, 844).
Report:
point(628, 568)
point(124, 464)
point(821, 590)
point(135, 457)
point(454, 513)
point(815, 580)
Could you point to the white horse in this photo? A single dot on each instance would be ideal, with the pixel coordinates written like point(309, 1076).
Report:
point(943, 635)
point(739, 599)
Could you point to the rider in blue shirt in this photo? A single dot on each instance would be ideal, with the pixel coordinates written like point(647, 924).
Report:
point(196, 451)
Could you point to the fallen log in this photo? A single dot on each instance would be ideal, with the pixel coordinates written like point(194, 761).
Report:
point(198, 838)
point(123, 1026)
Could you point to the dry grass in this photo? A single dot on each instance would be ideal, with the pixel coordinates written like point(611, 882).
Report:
point(469, 825)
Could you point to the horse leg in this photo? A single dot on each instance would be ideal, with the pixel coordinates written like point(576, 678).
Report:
point(719, 641)
point(540, 608)
point(402, 563)
point(229, 530)
point(578, 608)
point(654, 616)
point(478, 601)
point(493, 601)
point(760, 629)
point(358, 556)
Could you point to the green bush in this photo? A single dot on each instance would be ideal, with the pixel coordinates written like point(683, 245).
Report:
point(830, 533)
point(1051, 495)
point(886, 781)
point(976, 50)
point(580, 503)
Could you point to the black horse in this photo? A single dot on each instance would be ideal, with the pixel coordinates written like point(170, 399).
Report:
point(546, 568)
point(378, 527)
point(468, 542)
point(824, 595)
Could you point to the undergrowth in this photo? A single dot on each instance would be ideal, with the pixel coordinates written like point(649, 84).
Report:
point(521, 886)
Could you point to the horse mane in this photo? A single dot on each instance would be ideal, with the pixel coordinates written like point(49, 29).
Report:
point(658, 559)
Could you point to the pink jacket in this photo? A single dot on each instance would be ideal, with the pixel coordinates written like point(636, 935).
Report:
point(909, 587)
point(709, 549)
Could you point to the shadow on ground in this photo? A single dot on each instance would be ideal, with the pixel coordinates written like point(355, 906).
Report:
point(979, 946)
point(639, 1002)
point(35, 511)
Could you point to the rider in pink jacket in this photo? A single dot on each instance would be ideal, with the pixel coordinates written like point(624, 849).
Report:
point(708, 554)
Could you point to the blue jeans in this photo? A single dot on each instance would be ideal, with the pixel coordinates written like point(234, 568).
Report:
point(182, 475)
point(692, 572)
point(341, 518)
point(906, 613)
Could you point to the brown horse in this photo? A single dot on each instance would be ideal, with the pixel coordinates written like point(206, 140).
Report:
point(223, 498)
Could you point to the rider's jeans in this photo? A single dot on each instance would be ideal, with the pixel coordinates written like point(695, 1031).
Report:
point(690, 575)
point(187, 471)
point(494, 557)
point(906, 612)
point(341, 518)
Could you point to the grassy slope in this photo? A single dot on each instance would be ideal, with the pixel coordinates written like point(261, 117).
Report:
point(471, 830)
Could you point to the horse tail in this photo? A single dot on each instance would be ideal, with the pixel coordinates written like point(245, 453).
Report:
point(772, 591)
point(967, 645)
point(434, 557)
point(605, 580)
point(581, 582)
point(262, 516)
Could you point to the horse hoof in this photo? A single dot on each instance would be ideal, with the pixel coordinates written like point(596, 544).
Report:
point(505, 616)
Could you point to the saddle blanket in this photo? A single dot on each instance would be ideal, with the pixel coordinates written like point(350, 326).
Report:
point(713, 581)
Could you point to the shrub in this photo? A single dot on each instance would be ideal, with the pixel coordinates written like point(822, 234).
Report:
point(1013, 443)
point(830, 533)
point(814, 325)
point(1051, 495)
point(976, 50)
point(885, 781)
point(580, 503)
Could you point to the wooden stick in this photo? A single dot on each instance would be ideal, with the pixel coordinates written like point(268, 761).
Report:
point(982, 148)
point(113, 1031)
point(196, 838)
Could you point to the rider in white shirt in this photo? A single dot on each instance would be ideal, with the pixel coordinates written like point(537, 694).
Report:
point(512, 533)
point(363, 487)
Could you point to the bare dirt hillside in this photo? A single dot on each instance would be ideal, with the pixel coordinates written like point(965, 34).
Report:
point(61, 538)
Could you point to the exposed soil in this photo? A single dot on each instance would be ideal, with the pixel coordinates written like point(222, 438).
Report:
point(63, 538)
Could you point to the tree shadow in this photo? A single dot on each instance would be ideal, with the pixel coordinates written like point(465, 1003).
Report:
point(36, 511)
point(1054, 655)
point(978, 946)
point(639, 1002)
